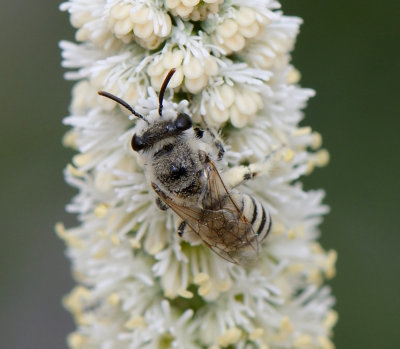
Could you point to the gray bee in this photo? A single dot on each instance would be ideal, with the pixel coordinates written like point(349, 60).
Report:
point(180, 166)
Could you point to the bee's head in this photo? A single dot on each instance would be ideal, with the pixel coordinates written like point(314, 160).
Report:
point(159, 129)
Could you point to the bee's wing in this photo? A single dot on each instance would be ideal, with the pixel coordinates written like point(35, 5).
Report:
point(220, 225)
point(239, 235)
point(200, 222)
point(197, 219)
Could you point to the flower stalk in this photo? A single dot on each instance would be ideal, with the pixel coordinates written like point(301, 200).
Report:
point(138, 284)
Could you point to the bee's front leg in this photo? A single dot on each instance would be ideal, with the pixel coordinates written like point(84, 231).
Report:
point(215, 139)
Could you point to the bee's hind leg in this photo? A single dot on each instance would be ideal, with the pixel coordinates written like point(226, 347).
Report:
point(186, 233)
point(182, 228)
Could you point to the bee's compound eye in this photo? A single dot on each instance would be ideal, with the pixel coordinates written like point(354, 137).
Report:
point(183, 122)
point(137, 143)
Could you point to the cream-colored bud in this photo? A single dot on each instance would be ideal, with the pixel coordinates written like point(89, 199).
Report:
point(172, 59)
point(227, 29)
point(217, 115)
point(231, 336)
point(123, 27)
point(211, 67)
point(201, 278)
point(77, 21)
point(193, 69)
point(120, 11)
point(322, 158)
point(140, 16)
point(196, 85)
point(183, 11)
point(82, 34)
point(316, 140)
point(190, 3)
point(250, 31)
point(245, 17)
point(227, 95)
point(248, 103)
point(185, 293)
point(144, 30)
point(172, 3)
point(165, 30)
point(235, 42)
point(237, 119)
point(294, 76)
point(156, 69)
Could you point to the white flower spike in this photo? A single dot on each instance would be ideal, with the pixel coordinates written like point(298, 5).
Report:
point(174, 174)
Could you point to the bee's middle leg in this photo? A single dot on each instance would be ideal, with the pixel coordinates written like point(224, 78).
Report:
point(161, 205)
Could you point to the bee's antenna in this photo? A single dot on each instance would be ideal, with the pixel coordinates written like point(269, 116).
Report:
point(163, 88)
point(123, 103)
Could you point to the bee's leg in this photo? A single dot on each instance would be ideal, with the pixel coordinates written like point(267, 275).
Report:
point(186, 233)
point(181, 228)
point(238, 174)
point(161, 205)
point(159, 202)
point(217, 142)
point(218, 145)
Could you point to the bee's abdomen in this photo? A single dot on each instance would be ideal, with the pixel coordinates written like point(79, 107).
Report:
point(257, 215)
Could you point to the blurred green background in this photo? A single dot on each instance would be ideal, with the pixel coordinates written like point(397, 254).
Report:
point(348, 51)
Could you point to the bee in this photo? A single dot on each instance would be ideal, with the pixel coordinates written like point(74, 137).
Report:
point(180, 165)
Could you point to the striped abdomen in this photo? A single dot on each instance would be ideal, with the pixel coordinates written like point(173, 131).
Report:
point(257, 215)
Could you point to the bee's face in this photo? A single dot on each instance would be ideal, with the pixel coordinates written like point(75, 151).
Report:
point(161, 130)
